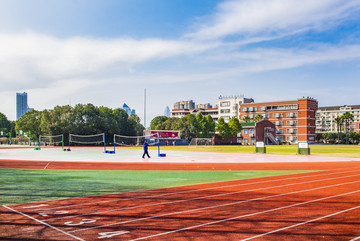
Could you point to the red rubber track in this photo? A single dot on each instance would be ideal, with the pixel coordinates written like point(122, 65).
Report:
point(69, 165)
point(320, 205)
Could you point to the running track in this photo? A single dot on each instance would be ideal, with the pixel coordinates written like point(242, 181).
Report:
point(322, 205)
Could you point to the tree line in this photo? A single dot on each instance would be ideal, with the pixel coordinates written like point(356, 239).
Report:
point(199, 126)
point(81, 120)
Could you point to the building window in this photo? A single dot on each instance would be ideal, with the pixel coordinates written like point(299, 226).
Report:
point(291, 131)
point(252, 131)
point(252, 140)
point(245, 131)
point(246, 141)
point(262, 108)
point(292, 123)
point(291, 114)
point(225, 111)
point(225, 104)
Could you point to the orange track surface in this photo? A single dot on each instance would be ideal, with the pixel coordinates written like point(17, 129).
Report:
point(175, 166)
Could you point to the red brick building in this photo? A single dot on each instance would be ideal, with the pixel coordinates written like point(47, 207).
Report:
point(357, 127)
point(294, 120)
point(252, 132)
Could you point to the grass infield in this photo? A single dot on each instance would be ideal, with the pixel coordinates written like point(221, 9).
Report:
point(32, 185)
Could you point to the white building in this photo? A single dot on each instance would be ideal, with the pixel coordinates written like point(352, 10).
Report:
point(229, 106)
point(325, 117)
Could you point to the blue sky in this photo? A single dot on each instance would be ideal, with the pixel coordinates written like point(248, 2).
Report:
point(107, 52)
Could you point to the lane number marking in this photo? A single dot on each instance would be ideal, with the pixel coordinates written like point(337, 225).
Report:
point(83, 221)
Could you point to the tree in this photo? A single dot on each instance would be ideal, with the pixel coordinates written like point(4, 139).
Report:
point(223, 129)
point(136, 125)
point(172, 123)
point(201, 122)
point(348, 117)
point(188, 126)
point(258, 117)
point(30, 122)
point(235, 126)
point(209, 127)
point(246, 118)
point(339, 122)
point(5, 125)
point(82, 120)
point(158, 123)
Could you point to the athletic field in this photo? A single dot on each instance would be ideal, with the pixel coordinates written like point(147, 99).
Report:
point(191, 194)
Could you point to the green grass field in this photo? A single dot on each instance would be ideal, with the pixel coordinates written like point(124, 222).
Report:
point(351, 151)
point(30, 185)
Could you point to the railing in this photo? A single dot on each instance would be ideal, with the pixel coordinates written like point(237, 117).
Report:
point(272, 138)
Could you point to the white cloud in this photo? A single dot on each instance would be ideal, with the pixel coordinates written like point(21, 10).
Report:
point(32, 59)
point(250, 18)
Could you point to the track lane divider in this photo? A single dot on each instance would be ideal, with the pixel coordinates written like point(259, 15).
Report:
point(46, 224)
point(302, 223)
point(217, 206)
point(243, 216)
point(198, 198)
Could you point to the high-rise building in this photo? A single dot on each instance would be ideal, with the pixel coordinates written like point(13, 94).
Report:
point(167, 111)
point(21, 105)
point(128, 110)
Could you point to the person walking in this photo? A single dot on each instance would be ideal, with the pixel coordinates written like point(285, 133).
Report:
point(145, 146)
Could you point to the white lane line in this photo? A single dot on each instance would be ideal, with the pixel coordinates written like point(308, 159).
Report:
point(198, 198)
point(298, 224)
point(211, 207)
point(242, 216)
point(46, 224)
point(47, 165)
point(197, 190)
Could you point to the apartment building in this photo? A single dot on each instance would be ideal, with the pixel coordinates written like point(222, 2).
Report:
point(185, 104)
point(229, 106)
point(213, 112)
point(226, 107)
point(325, 117)
point(294, 120)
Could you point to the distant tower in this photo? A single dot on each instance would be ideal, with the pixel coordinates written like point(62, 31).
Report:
point(167, 111)
point(128, 110)
point(21, 104)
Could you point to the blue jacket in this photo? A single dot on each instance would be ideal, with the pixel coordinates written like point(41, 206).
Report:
point(146, 146)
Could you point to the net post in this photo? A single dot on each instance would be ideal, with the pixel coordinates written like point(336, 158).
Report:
point(38, 148)
point(104, 142)
point(114, 144)
point(69, 141)
point(159, 149)
point(62, 142)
